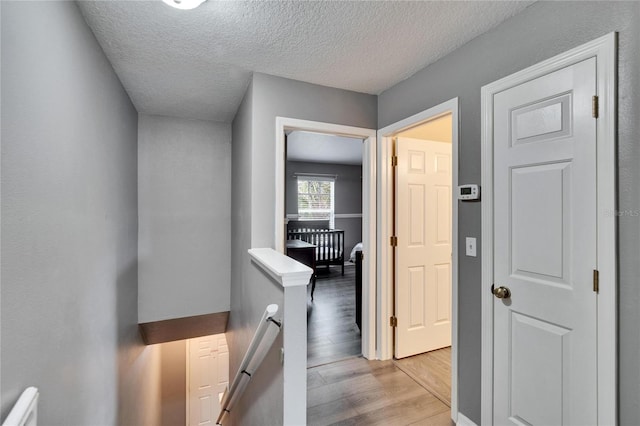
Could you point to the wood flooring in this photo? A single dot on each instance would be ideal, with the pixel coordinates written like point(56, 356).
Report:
point(432, 370)
point(361, 392)
point(346, 389)
point(332, 333)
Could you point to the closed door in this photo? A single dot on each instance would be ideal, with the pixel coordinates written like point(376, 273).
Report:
point(423, 252)
point(545, 221)
point(208, 378)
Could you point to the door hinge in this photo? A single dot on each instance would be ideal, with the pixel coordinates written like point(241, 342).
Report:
point(596, 281)
point(393, 321)
point(393, 241)
point(394, 161)
point(361, 256)
point(595, 108)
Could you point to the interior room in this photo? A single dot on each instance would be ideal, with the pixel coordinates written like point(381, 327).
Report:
point(323, 200)
point(143, 270)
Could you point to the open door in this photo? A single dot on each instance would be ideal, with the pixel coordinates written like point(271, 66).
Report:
point(423, 179)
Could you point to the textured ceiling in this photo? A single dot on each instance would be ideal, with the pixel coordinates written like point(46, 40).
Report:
point(321, 148)
point(197, 63)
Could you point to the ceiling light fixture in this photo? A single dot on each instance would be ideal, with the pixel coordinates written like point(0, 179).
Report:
point(184, 4)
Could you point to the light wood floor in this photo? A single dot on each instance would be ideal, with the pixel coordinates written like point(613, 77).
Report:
point(345, 389)
point(432, 370)
point(361, 392)
point(332, 333)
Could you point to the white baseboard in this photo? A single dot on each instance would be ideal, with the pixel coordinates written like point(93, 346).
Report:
point(464, 420)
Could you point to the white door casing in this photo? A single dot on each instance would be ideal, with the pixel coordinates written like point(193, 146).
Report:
point(423, 253)
point(548, 351)
point(385, 290)
point(207, 378)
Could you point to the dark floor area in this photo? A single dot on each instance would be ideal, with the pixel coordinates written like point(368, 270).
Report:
point(331, 327)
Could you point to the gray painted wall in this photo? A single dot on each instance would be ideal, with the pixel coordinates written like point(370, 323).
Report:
point(69, 226)
point(273, 97)
point(540, 32)
point(173, 386)
point(347, 198)
point(184, 194)
point(253, 210)
point(262, 402)
point(239, 330)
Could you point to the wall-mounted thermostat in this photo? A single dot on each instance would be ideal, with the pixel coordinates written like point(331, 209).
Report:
point(468, 192)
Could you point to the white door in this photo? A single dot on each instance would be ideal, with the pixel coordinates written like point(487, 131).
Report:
point(423, 252)
point(545, 250)
point(208, 378)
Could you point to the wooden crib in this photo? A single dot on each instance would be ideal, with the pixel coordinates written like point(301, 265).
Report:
point(329, 242)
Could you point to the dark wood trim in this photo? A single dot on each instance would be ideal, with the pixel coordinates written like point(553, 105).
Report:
point(183, 328)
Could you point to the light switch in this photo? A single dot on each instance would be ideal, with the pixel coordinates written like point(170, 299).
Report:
point(471, 247)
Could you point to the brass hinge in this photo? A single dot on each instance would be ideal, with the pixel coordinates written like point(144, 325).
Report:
point(393, 241)
point(393, 321)
point(596, 281)
point(595, 108)
point(394, 161)
point(361, 256)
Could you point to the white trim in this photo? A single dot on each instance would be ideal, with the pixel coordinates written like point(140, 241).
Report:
point(385, 290)
point(464, 421)
point(368, 211)
point(294, 216)
point(604, 50)
point(283, 269)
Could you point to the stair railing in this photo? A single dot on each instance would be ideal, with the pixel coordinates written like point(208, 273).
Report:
point(261, 342)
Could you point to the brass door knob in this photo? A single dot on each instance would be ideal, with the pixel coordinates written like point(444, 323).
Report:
point(502, 292)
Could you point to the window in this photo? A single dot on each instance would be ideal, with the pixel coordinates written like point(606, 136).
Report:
point(315, 198)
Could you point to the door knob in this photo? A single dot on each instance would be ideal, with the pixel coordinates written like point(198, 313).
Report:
point(501, 292)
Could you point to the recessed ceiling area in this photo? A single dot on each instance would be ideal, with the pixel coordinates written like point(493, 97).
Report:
point(198, 63)
point(323, 148)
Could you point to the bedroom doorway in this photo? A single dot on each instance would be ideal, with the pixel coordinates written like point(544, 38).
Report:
point(326, 207)
point(418, 247)
point(323, 206)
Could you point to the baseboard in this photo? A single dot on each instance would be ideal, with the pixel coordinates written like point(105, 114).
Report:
point(464, 420)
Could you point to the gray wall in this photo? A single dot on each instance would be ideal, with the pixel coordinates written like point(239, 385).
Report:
point(540, 32)
point(184, 194)
point(275, 96)
point(173, 386)
point(69, 226)
point(262, 402)
point(253, 207)
point(347, 198)
point(239, 328)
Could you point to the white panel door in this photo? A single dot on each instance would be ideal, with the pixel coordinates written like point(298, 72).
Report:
point(208, 378)
point(545, 250)
point(423, 254)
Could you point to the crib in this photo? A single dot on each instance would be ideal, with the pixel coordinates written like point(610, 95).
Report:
point(329, 242)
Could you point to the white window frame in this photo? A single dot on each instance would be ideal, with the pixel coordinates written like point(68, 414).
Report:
point(318, 178)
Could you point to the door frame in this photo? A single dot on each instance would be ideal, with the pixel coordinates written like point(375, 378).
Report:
point(385, 227)
point(369, 198)
point(604, 50)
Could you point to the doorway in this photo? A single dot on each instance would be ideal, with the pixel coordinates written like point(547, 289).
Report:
point(369, 196)
point(429, 141)
point(323, 205)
